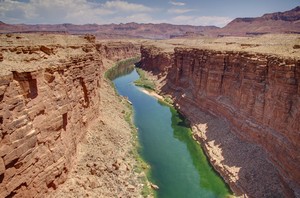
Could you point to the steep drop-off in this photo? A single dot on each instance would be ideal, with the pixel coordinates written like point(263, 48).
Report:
point(251, 131)
point(49, 93)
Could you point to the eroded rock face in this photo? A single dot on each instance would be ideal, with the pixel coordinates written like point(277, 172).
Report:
point(118, 50)
point(45, 111)
point(257, 94)
point(156, 60)
point(44, 115)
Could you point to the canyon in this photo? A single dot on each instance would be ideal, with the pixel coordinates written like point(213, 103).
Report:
point(63, 131)
point(242, 100)
point(50, 97)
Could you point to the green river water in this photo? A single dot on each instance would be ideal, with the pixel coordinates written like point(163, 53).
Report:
point(178, 165)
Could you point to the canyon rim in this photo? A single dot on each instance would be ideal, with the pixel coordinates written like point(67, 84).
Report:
point(64, 130)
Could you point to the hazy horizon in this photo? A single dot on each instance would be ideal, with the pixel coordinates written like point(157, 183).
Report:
point(187, 12)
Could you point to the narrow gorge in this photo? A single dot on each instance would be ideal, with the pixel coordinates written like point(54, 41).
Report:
point(50, 96)
point(241, 97)
point(243, 107)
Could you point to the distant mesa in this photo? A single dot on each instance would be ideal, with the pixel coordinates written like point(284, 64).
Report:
point(128, 30)
point(279, 22)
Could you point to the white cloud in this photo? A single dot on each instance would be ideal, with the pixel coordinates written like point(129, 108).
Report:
point(87, 11)
point(179, 11)
point(201, 20)
point(125, 6)
point(66, 11)
point(138, 18)
point(175, 3)
point(14, 9)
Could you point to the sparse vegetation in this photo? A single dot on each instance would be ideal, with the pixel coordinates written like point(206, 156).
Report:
point(143, 81)
point(121, 68)
point(142, 168)
point(168, 100)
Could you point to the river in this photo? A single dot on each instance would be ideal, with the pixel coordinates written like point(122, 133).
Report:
point(178, 165)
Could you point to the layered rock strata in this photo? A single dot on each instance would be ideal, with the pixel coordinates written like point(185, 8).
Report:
point(49, 94)
point(251, 131)
point(104, 164)
point(118, 50)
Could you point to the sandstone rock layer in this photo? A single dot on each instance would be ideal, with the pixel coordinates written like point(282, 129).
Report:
point(49, 94)
point(257, 94)
point(44, 115)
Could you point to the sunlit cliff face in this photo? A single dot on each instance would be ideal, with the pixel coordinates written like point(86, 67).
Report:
point(49, 96)
point(257, 95)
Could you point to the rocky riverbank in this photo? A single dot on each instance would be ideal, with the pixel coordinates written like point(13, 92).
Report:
point(224, 95)
point(105, 164)
point(52, 92)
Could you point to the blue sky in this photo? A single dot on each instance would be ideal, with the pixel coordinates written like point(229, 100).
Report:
point(192, 12)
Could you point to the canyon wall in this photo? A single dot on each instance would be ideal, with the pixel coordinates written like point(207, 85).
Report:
point(116, 51)
point(257, 94)
point(156, 60)
point(49, 96)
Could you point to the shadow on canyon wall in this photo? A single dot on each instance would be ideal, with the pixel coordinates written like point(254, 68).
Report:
point(255, 175)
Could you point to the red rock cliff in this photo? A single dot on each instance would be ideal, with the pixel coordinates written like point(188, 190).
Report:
point(156, 60)
point(46, 108)
point(118, 50)
point(257, 94)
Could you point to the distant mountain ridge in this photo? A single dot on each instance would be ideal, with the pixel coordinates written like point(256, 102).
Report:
point(152, 31)
point(291, 15)
point(278, 22)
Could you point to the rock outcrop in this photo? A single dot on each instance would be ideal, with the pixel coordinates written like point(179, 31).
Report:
point(49, 96)
point(258, 97)
point(45, 113)
point(157, 61)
